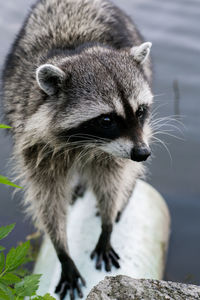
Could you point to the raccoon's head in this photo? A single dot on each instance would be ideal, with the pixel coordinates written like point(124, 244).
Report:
point(100, 97)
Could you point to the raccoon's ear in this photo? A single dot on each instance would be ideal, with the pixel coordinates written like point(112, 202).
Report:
point(141, 53)
point(48, 78)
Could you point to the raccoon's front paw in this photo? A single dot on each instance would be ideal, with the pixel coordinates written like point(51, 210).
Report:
point(70, 281)
point(108, 255)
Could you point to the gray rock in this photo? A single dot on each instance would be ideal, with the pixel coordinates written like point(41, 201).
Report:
point(125, 288)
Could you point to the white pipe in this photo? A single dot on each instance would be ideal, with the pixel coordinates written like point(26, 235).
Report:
point(140, 238)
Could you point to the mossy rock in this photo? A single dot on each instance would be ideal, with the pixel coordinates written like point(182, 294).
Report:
point(125, 288)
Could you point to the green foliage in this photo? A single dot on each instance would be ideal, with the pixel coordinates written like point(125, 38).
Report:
point(5, 180)
point(28, 286)
point(15, 284)
point(5, 230)
point(17, 257)
point(45, 297)
point(4, 126)
point(10, 278)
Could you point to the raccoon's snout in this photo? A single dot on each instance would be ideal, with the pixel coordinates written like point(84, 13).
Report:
point(140, 153)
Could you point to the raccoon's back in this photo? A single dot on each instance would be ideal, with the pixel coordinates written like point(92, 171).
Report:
point(58, 24)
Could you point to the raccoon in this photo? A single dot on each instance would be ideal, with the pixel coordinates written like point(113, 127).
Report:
point(77, 93)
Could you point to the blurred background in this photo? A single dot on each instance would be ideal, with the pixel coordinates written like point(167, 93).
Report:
point(173, 28)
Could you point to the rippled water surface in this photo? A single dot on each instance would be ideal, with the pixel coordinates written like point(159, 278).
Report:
point(174, 28)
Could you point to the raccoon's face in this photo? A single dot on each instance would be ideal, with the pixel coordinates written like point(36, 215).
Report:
point(101, 97)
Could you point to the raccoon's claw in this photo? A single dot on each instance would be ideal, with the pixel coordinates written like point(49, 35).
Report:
point(109, 256)
point(64, 287)
point(70, 281)
point(118, 217)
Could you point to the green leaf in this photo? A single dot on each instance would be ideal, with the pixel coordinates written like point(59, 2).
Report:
point(2, 248)
point(17, 257)
point(48, 297)
point(5, 180)
point(4, 126)
point(45, 297)
point(28, 286)
point(5, 230)
point(21, 272)
point(7, 291)
point(2, 261)
point(3, 295)
point(10, 278)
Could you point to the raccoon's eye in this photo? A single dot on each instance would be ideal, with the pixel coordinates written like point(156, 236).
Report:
point(106, 122)
point(141, 111)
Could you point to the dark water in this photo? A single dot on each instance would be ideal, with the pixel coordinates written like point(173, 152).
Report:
point(173, 27)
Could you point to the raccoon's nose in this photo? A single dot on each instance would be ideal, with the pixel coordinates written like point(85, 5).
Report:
point(140, 153)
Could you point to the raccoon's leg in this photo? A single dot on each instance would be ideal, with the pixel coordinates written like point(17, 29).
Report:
point(47, 191)
point(112, 182)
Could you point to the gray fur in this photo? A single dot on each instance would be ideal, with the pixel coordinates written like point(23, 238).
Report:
point(140, 53)
point(74, 61)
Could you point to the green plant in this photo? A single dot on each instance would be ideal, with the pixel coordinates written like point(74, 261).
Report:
point(3, 179)
point(13, 284)
point(4, 126)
